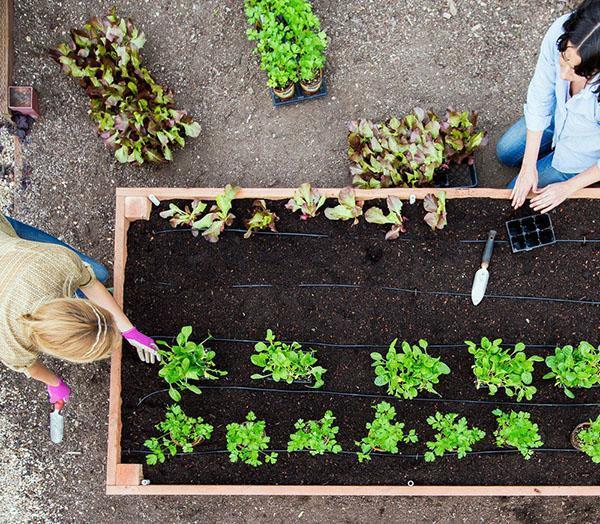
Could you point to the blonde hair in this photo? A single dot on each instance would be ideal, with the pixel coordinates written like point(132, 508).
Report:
point(72, 329)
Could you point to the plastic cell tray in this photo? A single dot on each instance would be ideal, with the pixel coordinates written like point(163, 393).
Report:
point(456, 175)
point(299, 96)
point(530, 232)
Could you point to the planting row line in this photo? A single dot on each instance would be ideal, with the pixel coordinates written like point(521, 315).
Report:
point(248, 441)
point(405, 372)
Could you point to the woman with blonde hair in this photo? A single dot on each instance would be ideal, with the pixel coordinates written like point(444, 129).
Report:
point(40, 278)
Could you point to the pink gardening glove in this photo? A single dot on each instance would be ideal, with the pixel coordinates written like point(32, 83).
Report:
point(146, 347)
point(58, 393)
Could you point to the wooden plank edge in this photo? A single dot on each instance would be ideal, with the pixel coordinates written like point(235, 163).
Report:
point(137, 208)
point(210, 193)
point(385, 491)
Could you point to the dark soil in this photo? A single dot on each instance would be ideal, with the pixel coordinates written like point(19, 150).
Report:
point(174, 279)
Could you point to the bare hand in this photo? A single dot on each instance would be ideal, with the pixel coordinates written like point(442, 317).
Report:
point(526, 181)
point(551, 196)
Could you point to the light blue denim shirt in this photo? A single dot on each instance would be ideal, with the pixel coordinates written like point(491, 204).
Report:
point(576, 120)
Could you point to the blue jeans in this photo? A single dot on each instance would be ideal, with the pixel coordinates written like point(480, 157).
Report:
point(36, 235)
point(510, 150)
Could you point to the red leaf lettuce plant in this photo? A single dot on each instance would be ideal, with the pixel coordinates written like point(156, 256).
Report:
point(262, 218)
point(435, 205)
point(306, 200)
point(348, 209)
point(374, 215)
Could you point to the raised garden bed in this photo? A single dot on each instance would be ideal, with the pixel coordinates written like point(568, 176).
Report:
point(236, 289)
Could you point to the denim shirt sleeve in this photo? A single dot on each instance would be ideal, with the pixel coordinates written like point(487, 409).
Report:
point(541, 96)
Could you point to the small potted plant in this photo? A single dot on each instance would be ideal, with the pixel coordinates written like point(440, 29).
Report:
point(586, 438)
point(311, 61)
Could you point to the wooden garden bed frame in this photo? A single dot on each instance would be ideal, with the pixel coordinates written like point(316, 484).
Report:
point(126, 479)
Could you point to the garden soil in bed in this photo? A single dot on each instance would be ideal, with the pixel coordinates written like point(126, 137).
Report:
point(174, 279)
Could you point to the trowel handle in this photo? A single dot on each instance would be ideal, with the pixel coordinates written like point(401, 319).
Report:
point(489, 248)
point(59, 405)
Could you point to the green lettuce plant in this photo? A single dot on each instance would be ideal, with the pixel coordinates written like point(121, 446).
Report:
point(408, 371)
point(306, 200)
point(286, 362)
point(185, 361)
point(375, 215)
point(496, 367)
point(188, 216)
point(574, 367)
point(384, 433)
point(348, 208)
point(515, 430)
point(435, 205)
point(452, 436)
point(247, 442)
point(178, 431)
point(213, 223)
point(262, 218)
point(316, 436)
point(134, 114)
point(461, 136)
point(589, 440)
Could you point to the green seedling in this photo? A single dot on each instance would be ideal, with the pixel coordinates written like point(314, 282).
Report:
point(577, 367)
point(452, 436)
point(515, 430)
point(435, 205)
point(262, 218)
point(186, 361)
point(461, 136)
point(247, 442)
point(348, 209)
point(408, 371)
point(186, 216)
point(306, 200)
point(316, 436)
point(384, 433)
point(286, 362)
point(178, 431)
point(219, 216)
point(589, 440)
point(375, 215)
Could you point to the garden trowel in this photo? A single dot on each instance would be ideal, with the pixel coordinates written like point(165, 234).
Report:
point(57, 423)
point(482, 276)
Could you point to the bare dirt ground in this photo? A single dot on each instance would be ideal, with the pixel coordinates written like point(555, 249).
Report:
point(385, 57)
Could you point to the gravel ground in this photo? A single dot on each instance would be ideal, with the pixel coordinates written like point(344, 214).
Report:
point(385, 57)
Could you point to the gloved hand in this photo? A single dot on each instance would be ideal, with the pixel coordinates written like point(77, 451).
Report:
point(58, 393)
point(146, 347)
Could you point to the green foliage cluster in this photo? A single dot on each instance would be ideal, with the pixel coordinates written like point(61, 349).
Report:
point(408, 371)
point(286, 362)
point(247, 442)
point(574, 367)
point(384, 433)
point(179, 431)
point(375, 215)
point(348, 207)
point(496, 367)
point(451, 436)
point(185, 361)
point(306, 200)
point(516, 430)
point(316, 436)
point(407, 152)
point(589, 440)
point(213, 223)
point(288, 39)
point(262, 218)
point(135, 115)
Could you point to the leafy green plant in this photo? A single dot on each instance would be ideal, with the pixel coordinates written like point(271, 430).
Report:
point(306, 200)
point(186, 216)
point(461, 137)
point(318, 436)
point(185, 361)
point(452, 436)
point(348, 209)
point(286, 362)
point(178, 431)
point(135, 116)
point(384, 434)
point(262, 218)
point(219, 216)
point(247, 442)
point(435, 205)
point(516, 430)
point(497, 367)
point(409, 371)
point(577, 367)
point(589, 440)
point(374, 215)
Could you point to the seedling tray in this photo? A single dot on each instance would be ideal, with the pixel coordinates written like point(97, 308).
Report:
point(530, 232)
point(457, 175)
point(353, 318)
point(299, 95)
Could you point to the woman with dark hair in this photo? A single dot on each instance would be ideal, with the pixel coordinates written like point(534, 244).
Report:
point(557, 142)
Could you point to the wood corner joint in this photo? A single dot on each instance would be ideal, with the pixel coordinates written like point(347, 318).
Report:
point(137, 208)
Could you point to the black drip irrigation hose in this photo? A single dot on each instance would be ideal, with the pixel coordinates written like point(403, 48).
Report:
point(235, 230)
point(415, 456)
point(434, 293)
point(382, 396)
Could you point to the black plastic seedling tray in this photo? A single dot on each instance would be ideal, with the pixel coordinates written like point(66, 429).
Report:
point(456, 175)
point(530, 232)
point(299, 96)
